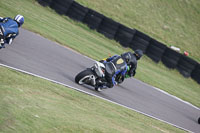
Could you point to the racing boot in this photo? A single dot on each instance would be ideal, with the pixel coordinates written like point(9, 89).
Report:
point(10, 41)
point(100, 85)
point(97, 88)
point(2, 46)
point(100, 88)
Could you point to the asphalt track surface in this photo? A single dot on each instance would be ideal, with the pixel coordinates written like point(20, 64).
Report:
point(32, 53)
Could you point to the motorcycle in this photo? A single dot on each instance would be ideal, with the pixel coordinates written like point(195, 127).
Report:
point(1, 35)
point(5, 38)
point(95, 75)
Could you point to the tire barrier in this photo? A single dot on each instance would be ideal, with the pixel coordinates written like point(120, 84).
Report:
point(93, 19)
point(170, 58)
point(77, 11)
point(108, 27)
point(143, 36)
point(155, 50)
point(124, 35)
point(45, 2)
point(61, 6)
point(140, 41)
point(186, 66)
point(196, 74)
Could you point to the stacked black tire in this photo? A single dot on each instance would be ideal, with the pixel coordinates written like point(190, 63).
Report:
point(77, 12)
point(186, 65)
point(45, 2)
point(61, 6)
point(196, 73)
point(170, 58)
point(126, 36)
point(155, 50)
point(108, 28)
point(140, 41)
point(93, 19)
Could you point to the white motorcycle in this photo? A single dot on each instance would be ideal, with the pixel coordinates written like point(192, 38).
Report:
point(95, 76)
point(92, 76)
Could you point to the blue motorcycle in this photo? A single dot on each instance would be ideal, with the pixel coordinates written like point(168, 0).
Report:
point(9, 29)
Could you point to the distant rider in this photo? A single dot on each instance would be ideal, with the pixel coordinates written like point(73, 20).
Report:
point(118, 65)
point(9, 29)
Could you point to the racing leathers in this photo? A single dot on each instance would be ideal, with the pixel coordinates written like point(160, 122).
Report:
point(8, 30)
point(113, 66)
point(131, 61)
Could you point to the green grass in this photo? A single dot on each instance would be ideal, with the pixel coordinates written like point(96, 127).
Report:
point(30, 104)
point(88, 42)
point(173, 22)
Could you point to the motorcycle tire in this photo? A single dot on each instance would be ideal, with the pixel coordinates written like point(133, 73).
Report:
point(199, 120)
point(79, 79)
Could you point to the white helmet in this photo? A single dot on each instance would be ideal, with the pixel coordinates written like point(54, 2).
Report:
point(19, 19)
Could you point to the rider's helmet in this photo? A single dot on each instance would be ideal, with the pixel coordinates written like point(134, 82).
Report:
point(19, 19)
point(126, 57)
point(138, 54)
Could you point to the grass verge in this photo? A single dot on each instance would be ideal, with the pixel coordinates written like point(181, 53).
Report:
point(30, 104)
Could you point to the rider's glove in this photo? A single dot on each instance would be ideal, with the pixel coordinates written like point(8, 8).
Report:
point(132, 73)
point(1, 18)
point(1, 41)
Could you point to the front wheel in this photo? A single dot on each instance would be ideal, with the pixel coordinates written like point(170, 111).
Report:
point(85, 77)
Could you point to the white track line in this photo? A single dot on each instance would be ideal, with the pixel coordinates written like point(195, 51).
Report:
point(92, 95)
point(170, 95)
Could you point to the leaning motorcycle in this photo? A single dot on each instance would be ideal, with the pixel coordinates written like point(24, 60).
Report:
point(92, 75)
point(96, 74)
point(4, 39)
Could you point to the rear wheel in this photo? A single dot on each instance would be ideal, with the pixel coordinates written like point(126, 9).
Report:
point(84, 77)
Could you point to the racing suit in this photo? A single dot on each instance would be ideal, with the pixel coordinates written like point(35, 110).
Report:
point(8, 30)
point(132, 63)
point(113, 66)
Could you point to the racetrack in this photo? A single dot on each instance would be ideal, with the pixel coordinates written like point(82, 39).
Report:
point(32, 53)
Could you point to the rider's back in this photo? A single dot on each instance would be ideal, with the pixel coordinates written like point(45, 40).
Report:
point(116, 64)
point(10, 26)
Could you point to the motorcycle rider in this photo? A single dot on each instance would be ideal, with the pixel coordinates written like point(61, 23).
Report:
point(9, 29)
point(113, 66)
point(129, 59)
